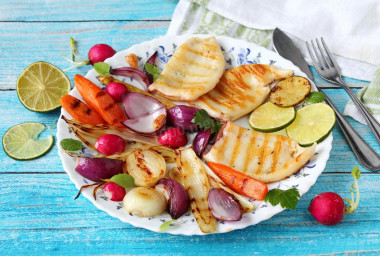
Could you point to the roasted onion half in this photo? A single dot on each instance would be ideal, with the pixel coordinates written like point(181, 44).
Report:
point(146, 166)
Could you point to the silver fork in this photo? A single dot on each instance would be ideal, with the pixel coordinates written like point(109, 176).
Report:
point(329, 70)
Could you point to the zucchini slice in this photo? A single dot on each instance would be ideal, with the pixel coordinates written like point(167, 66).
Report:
point(290, 91)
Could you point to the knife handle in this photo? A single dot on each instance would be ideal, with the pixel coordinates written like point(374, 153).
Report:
point(363, 152)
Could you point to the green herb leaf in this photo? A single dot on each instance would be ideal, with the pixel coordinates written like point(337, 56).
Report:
point(206, 122)
point(153, 70)
point(315, 97)
point(71, 144)
point(286, 198)
point(164, 226)
point(124, 180)
point(102, 68)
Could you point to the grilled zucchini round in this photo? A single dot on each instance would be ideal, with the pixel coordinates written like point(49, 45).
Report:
point(290, 91)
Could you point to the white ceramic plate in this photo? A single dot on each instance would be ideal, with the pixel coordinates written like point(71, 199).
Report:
point(236, 52)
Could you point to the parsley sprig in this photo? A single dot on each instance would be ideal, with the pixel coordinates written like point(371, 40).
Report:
point(206, 122)
point(315, 97)
point(71, 144)
point(153, 70)
point(286, 198)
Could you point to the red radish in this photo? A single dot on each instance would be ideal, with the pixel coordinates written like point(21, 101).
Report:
point(97, 53)
point(110, 144)
point(100, 52)
point(113, 191)
point(116, 90)
point(174, 138)
point(327, 208)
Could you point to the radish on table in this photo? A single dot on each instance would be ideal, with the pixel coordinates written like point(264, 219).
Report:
point(329, 208)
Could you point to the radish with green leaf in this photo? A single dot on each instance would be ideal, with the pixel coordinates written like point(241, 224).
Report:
point(97, 53)
point(329, 208)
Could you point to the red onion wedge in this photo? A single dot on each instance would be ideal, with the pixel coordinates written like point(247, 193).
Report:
point(200, 141)
point(151, 60)
point(133, 73)
point(175, 194)
point(223, 205)
point(148, 123)
point(137, 104)
point(181, 116)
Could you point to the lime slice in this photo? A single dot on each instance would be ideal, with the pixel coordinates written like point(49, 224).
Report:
point(270, 118)
point(280, 132)
point(313, 123)
point(41, 85)
point(21, 141)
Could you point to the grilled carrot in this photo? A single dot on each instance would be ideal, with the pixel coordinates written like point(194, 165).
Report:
point(100, 101)
point(80, 111)
point(240, 182)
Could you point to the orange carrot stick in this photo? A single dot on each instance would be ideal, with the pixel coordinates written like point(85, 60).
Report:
point(100, 101)
point(240, 182)
point(80, 111)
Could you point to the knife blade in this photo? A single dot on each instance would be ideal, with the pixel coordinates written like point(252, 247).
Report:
point(284, 46)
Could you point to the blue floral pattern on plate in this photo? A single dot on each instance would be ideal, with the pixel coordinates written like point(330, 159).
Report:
point(236, 52)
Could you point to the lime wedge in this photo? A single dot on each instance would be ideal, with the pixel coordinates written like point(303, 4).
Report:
point(41, 85)
point(313, 123)
point(21, 141)
point(270, 118)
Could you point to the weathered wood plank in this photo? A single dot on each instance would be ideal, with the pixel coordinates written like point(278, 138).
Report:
point(86, 10)
point(24, 43)
point(341, 158)
point(39, 216)
point(48, 41)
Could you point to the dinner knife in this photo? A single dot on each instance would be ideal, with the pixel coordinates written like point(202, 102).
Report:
point(285, 47)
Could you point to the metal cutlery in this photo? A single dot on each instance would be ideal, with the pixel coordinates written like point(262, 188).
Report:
point(329, 70)
point(363, 152)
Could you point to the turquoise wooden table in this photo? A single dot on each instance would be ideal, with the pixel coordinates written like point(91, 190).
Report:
point(38, 215)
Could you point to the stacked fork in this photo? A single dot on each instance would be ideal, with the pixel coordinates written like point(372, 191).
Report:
point(329, 70)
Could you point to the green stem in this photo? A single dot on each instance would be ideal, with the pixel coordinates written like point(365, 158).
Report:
point(353, 204)
point(85, 63)
point(72, 48)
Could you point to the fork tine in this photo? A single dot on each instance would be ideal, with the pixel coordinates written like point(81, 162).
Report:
point(317, 55)
point(330, 56)
point(315, 62)
point(324, 59)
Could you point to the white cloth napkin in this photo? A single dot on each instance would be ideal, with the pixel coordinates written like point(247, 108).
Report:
point(350, 28)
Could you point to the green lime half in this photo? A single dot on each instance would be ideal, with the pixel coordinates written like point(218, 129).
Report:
point(21, 141)
point(313, 123)
point(271, 118)
point(41, 85)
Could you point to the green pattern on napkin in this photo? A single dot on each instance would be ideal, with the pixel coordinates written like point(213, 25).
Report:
point(370, 96)
point(200, 20)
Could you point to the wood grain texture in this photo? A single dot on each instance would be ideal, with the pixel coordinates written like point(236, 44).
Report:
point(86, 10)
point(39, 216)
point(48, 41)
